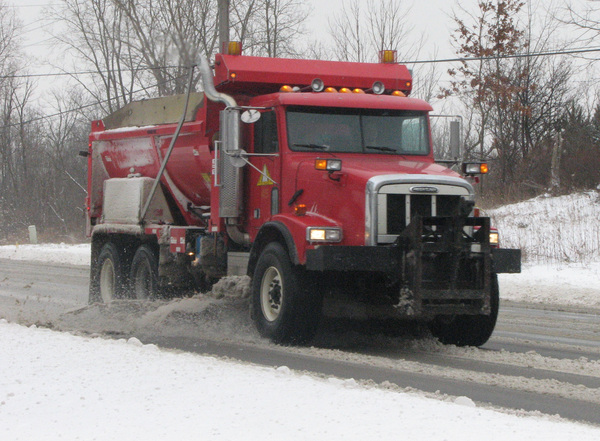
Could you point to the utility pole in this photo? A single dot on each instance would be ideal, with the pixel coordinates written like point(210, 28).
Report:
point(223, 23)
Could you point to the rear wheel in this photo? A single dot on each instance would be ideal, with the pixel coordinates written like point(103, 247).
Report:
point(144, 282)
point(286, 307)
point(108, 280)
point(468, 330)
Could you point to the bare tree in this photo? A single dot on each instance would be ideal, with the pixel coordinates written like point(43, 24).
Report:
point(269, 27)
point(516, 97)
point(361, 29)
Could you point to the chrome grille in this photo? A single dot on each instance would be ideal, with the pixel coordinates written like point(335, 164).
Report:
point(391, 204)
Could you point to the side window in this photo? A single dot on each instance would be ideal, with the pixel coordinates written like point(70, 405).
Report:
point(265, 134)
point(413, 135)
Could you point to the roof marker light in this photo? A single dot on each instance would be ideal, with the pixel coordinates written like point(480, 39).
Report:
point(331, 90)
point(286, 89)
point(398, 93)
point(357, 90)
point(345, 90)
point(388, 57)
point(232, 47)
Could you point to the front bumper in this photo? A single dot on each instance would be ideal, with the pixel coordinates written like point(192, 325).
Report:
point(387, 259)
point(435, 266)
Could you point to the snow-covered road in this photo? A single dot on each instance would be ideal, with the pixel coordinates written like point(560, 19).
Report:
point(61, 386)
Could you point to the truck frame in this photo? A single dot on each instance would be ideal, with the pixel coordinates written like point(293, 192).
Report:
point(315, 178)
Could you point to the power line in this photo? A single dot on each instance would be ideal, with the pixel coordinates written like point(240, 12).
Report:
point(86, 72)
point(443, 60)
point(499, 57)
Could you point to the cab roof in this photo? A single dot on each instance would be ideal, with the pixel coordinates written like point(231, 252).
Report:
point(262, 75)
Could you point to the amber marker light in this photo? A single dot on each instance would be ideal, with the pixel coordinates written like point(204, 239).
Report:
point(234, 48)
point(345, 90)
point(330, 165)
point(476, 168)
point(300, 209)
point(286, 89)
point(388, 56)
point(321, 164)
point(398, 93)
point(331, 90)
point(357, 90)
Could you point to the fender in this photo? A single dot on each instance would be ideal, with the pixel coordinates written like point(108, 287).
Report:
point(269, 232)
point(291, 230)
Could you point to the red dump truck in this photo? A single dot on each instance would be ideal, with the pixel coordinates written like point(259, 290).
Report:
point(315, 178)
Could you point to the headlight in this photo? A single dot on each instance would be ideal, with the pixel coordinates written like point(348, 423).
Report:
point(318, 234)
point(494, 239)
point(477, 168)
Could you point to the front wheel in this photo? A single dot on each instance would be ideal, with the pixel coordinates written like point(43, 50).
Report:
point(468, 330)
point(286, 306)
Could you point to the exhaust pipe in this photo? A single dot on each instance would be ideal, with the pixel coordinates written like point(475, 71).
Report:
point(211, 93)
point(209, 85)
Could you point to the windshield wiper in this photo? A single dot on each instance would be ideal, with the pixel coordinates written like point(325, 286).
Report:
point(312, 146)
point(381, 148)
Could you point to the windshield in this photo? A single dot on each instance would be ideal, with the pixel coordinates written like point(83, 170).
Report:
point(398, 132)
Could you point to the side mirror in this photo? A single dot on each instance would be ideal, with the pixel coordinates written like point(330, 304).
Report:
point(250, 116)
point(454, 139)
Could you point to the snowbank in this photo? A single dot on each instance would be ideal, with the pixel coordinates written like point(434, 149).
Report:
point(54, 253)
point(59, 386)
point(563, 229)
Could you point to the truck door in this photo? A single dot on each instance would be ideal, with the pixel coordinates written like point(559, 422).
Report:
point(264, 193)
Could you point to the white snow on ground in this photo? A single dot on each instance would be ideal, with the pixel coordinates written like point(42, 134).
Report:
point(560, 241)
point(54, 253)
point(59, 386)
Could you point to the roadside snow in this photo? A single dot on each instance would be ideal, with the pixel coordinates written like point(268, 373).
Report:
point(550, 284)
point(53, 253)
point(59, 386)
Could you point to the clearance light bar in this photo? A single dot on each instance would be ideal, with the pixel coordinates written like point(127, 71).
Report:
point(323, 234)
point(328, 164)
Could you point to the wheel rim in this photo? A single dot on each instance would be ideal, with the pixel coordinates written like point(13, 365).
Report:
point(142, 284)
point(107, 281)
point(271, 294)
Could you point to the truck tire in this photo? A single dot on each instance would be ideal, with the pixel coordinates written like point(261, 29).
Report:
point(286, 306)
point(468, 330)
point(108, 281)
point(143, 276)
